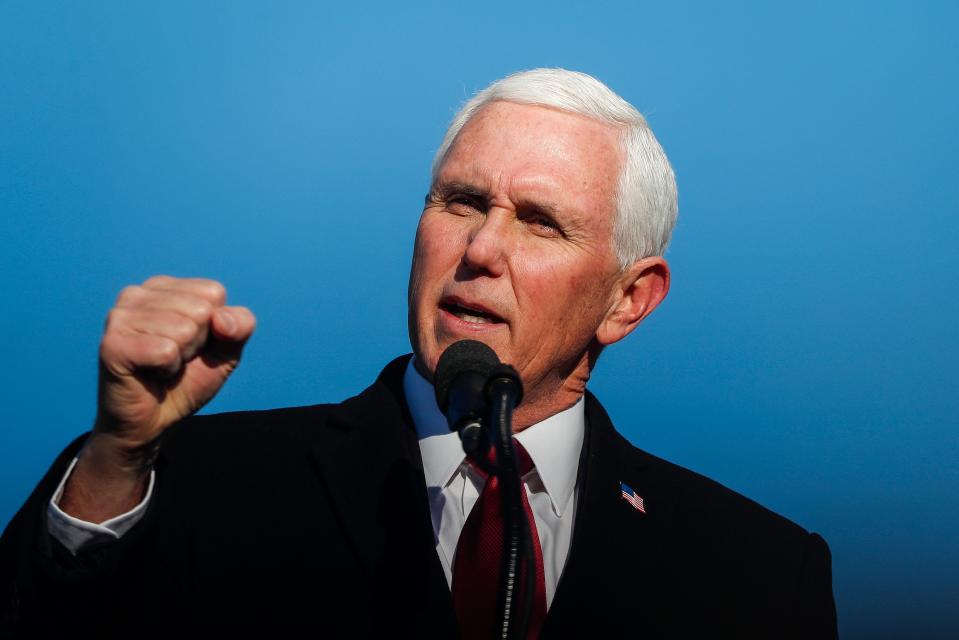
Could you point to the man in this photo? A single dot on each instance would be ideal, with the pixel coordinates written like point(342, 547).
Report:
point(550, 207)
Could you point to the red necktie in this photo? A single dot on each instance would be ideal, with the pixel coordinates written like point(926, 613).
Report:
point(478, 560)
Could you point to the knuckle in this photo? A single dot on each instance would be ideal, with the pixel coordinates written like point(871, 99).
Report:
point(109, 346)
point(115, 316)
point(183, 329)
point(214, 291)
point(130, 294)
point(157, 281)
point(165, 352)
point(201, 311)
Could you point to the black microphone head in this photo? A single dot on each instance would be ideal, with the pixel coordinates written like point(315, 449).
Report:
point(464, 356)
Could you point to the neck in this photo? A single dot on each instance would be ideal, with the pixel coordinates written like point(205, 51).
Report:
point(555, 396)
point(545, 398)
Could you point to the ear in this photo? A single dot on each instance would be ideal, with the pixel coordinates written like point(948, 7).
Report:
point(638, 291)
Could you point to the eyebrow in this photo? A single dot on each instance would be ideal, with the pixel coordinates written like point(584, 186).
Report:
point(446, 189)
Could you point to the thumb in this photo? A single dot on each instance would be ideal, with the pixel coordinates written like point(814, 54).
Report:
point(233, 324)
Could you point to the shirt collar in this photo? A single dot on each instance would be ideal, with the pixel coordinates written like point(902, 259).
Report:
point(554, 444)
point(440, 448)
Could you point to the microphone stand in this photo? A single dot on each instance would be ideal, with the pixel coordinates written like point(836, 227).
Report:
point(504, 393)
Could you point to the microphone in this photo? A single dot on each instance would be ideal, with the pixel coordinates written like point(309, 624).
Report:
point(468, 377)
point(460, 380)
point(472, 386)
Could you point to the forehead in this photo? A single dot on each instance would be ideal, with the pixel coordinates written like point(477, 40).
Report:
point(523, 150)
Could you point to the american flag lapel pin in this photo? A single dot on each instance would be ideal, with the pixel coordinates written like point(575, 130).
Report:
point(632, 497)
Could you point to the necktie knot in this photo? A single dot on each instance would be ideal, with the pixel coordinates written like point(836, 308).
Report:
point(524, 463)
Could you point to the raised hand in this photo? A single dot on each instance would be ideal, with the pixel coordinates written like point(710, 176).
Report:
point(168, 347)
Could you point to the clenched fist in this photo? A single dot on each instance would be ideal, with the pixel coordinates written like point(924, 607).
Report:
point(168, 347)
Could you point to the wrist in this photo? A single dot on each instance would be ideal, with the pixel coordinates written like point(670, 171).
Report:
point(108, 479)
point(116, 458)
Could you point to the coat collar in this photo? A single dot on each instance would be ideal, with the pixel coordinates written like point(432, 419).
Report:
point(366, 453)
point(368, 457)
point(608, 532)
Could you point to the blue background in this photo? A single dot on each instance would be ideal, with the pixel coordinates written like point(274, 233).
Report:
point(806, 353)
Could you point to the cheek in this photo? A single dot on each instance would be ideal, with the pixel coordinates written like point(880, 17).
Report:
point(426, 255)
point(547, 280)
point(557, 294)
point(436, 254)
point(438, 241)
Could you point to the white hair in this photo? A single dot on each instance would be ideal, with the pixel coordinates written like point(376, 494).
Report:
point(646, 201)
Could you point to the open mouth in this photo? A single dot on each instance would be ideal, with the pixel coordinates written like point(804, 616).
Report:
point(470, 314)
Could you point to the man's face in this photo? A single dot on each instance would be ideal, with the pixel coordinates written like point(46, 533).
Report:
point(514, 246)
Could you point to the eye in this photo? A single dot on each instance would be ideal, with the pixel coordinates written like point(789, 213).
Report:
point(463, 204)
point(543, 225)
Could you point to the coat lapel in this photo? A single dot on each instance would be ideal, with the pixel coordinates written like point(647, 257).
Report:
point(612, 554)
point(369, 460)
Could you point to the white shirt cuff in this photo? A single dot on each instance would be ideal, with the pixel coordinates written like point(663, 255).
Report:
point(75, 534)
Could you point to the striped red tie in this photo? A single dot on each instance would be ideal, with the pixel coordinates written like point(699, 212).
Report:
point(478, 560)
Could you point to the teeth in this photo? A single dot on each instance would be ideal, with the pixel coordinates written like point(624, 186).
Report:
point(470, 315)
point(471, 318)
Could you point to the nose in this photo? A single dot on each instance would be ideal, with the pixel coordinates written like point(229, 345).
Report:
point(486, 247)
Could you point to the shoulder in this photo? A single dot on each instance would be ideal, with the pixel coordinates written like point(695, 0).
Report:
point(687, 496)
point(702, 519)
point(273, 436)
point(301, 425)
point(718, 549)
point(696, 499)
point(237, 431)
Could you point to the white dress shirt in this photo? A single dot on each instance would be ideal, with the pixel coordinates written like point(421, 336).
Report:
point(452, 484)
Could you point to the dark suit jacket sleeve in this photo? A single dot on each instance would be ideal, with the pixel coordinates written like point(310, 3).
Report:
point(41, 582)
point(328, 498)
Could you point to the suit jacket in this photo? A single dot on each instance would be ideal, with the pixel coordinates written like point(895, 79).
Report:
point(317, 518)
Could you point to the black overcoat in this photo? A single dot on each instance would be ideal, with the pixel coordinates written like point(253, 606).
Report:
point(314, 521)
